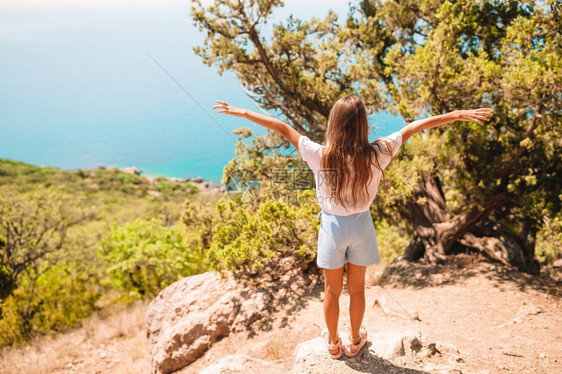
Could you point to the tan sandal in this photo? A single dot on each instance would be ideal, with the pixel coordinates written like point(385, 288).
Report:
point(326, 336)
point(355, 345)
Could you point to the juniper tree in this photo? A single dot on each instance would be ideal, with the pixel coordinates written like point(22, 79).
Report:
point(461, 187)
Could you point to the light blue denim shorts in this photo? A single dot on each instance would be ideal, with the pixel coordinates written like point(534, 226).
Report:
point(344, 239)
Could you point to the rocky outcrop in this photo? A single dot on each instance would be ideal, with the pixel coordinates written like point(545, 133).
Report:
point(382, 351)
point(188, 316)
point(131, 170)
point(242, 364)
point(392, 351)
point(205, 186)
point(191, 314)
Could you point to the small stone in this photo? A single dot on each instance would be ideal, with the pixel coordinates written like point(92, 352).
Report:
point(542, 355)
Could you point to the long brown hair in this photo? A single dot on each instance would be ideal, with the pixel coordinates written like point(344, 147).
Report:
point(347, 159)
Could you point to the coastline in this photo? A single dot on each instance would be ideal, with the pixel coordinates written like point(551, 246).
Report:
point(199, 182)
point(205, 186)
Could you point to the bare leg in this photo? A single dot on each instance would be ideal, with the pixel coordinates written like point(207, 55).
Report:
point(356, 289)
point(332, 291)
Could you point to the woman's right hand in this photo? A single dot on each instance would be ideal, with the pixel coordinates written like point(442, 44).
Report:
point(474, 115)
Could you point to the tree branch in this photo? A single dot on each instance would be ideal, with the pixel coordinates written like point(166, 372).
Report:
point(512, 160)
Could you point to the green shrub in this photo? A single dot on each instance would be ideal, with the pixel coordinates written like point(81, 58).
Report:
point(391, 241)
point(143, 257)
point(250, 237)
point(55, 300)
point(549, 240)
point(168, 187)
point(7, 281)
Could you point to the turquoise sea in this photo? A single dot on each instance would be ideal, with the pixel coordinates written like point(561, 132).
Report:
point(78, 88)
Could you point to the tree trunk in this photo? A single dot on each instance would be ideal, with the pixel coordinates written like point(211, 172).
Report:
point(528, 238)
point(436, 232)
point(427, 209)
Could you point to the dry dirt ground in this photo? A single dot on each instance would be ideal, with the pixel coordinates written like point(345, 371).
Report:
point(500, 320)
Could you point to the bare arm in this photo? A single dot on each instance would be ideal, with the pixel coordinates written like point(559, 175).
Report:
point(271, 123)
point(474, 115)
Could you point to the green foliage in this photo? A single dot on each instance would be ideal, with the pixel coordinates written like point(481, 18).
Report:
point(57, 298)
point(40, 290)
point(49, 266)
point(413, 58)
point(143, 257)
point(35, 225)
point(11, 168)
point(505, 55)
point(168, 187)
point(100, 184)
point(261, 161)
point(7, 281)
point(501, 67)
point(391, 240)
point(127, 179)
point(201, 219)
point(549, 240)
point(246, 239)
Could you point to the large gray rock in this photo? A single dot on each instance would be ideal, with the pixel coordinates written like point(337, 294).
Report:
point(242, 364)
point(192, 313)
